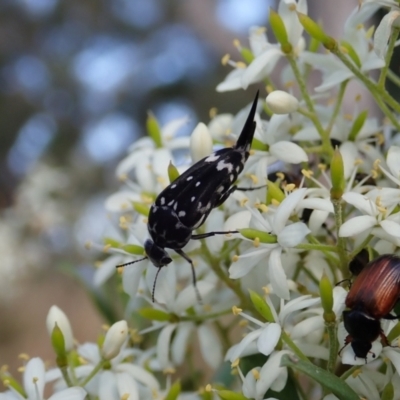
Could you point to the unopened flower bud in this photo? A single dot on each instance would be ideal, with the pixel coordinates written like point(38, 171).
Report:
point(337, 175)
point(326, 293)
point(114, 340)
point(201, 143)
point(281, 102)
point(57, 318)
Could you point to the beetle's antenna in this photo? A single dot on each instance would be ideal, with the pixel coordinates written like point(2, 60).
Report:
point(131, 262)
point(154, 285)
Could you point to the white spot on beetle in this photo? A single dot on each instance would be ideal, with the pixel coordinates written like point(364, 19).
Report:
point(199, 205)
point(181, 213)
point(193, 199)
point(173, 186)
point(198, 183)
point(211, 158)
point(222, 164)
point(189, 178)
point(238, 168)
point(162, 201)
point(232, 177)
point(171, 202)
point(175, 205)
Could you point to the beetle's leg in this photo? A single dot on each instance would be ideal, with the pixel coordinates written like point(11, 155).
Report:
point(390, 316)
point(243, 189)
point(188, 259)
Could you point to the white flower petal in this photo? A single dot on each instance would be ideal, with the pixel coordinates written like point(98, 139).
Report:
point(188, 298)
point(169, 130)
point(131, 277)
point(307, 326)
point(390, 227)
point(383, 32)
point(121, 201)
point(363, 203)
point(106, 269)
point(339, 299)
point(269, 338)
point(295, 305)
point(261, 66)
point(288, 152)
point(210, 346)
point(232, 81)
point(269, 373)
point(249, 338)
point(127, 386)
point(180, 342)
point(317, 204)
point(356, 225)
point(246, 262)
point(238, 220)
point(34, 378)
point(249, 384)
point(72, 393)
point(334, 79)
point(293, 234)
point(393, 161)
point(394, 356)
point(277, 275)
point(139, 374)
point(163, 346)
point(108, 387)
point(286, 208)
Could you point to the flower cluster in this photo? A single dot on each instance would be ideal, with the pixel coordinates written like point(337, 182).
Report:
point(326, 192)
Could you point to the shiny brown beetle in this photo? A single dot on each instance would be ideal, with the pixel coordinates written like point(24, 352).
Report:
point(371, 298)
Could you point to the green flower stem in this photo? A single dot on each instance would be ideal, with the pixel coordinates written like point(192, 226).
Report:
point(319, 247)
point(338, 106)
point(393, 77)
point(326, 144)
point(205, 317)
point(361, 246)
point(333, 345)
point(314, 150)
point(96, 369)
point(233, 285)
point(341, 246)
point(388, 57)
point(289, 342)
point(380, 95)
point(64, 371)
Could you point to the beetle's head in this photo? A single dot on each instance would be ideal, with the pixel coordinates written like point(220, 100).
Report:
point(157, 255)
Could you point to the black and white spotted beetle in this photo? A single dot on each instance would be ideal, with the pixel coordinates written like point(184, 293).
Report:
point(184, 205)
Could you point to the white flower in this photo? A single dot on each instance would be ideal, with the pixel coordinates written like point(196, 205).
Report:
point(374, 215)
point(334, 71)
point(57, 317)
point(34, 380)
point(266, 55)
point(288, 235)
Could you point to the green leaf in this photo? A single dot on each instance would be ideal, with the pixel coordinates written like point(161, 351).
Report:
point(261, 306)
point(229, 395)
point(153, 130)
point(329, 381)
point(174, 391)
point(154, 315)
point(133, 249)
point(357, 125)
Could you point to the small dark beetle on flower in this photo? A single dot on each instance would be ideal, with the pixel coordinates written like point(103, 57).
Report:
point(372, 297)
point(184, 205)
